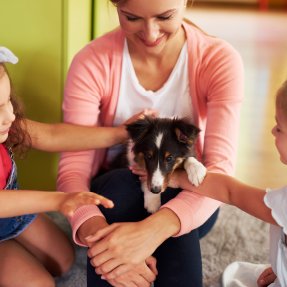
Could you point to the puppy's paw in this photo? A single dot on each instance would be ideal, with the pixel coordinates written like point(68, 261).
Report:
point(152, 202)
point(195, 170)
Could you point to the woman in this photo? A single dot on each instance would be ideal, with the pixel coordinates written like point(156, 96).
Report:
point(155, 60)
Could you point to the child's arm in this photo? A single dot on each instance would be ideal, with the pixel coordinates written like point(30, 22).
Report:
point(228, 190)
point(68, 137)
point(19, 202)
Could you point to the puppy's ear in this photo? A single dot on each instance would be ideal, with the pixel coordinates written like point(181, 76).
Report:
point(138, 129)
point(185, 132)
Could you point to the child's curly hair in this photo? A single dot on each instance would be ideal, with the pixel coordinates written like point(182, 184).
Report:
point(18, 140)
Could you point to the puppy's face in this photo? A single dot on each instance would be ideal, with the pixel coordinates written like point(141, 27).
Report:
point(161, 145)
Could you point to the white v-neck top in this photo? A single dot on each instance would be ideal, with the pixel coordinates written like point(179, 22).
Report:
point(171, 100)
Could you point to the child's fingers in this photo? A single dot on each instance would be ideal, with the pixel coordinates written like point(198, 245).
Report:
point(150, 113)
point(73, 201)
point(266, 278)
point(137, 170)
point(93, 198)
point(104, 201)
point(141, 115)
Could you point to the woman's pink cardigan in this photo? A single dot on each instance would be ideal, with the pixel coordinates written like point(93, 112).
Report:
point(216, 90)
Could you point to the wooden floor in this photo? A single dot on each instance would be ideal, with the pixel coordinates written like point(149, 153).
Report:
point(261, 39)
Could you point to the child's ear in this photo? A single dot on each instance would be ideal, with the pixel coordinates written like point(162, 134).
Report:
point(185, 132)
point(138, 129)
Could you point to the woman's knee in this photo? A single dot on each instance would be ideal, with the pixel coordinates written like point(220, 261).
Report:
point(112, 181)
point(124, 189)
point(179, 261)
point(207, 226)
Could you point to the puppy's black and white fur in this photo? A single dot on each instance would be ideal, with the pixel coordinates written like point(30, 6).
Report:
point(161, 145)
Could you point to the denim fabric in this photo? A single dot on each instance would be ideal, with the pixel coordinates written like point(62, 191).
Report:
point(178, 258)
point(12, 226)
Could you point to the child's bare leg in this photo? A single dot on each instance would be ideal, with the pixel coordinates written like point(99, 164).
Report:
point(48, 243)
point(19, 268)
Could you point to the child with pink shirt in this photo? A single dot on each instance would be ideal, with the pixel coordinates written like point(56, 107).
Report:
point(33, 248)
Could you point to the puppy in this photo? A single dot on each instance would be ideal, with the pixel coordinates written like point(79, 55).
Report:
point(161, 145)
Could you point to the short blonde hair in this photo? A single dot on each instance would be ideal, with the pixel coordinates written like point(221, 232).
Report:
point(281, 99)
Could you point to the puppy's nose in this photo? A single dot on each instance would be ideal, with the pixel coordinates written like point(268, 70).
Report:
point(156, 189)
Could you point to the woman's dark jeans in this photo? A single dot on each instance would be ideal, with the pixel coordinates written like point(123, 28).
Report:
point(178, 258)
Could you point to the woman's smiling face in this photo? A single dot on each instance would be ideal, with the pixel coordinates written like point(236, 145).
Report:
point(150, 24)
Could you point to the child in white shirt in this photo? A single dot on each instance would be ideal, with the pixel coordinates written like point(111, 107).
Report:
point(269, 205)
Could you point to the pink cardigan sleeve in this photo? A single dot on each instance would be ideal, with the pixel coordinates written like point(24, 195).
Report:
point(216, 83)
point(81, 106)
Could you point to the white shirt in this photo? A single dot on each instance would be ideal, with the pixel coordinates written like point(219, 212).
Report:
point(244, 274)
point(276, 200)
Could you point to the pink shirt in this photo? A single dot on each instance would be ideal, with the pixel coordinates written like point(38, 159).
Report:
point(216, 90)
point(5, 166)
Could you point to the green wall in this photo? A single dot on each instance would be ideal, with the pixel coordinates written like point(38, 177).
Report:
point(44, 35)
point(105, 17)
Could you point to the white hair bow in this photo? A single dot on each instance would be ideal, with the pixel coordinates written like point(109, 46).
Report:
point(6, 56)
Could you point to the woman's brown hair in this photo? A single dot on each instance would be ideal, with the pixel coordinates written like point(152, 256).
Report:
point(18, 140)
point(117, 2)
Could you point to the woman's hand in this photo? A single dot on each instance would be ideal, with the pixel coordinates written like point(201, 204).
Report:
point(141, 276)
point(69, 202)
point(266, 278)
point(120, 247)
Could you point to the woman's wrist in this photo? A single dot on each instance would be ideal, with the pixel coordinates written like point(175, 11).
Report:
point(164, 223)
point(90, 227)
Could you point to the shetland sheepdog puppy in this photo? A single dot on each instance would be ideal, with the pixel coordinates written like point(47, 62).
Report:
point(160, 146)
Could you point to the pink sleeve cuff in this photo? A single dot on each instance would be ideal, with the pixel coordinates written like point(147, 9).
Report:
point(81, 215)
point(192, 210)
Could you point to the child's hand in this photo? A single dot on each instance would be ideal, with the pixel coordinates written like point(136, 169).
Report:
point(71, 201)
point(135, 169)
point(266, 278)
point(174, 181)
point(121, 131)
point(141, 115)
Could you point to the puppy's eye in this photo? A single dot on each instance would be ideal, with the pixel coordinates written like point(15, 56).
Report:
point(169, 159)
